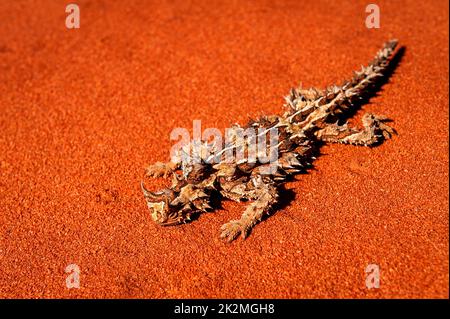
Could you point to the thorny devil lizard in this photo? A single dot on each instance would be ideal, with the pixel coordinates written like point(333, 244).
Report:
point(313, 117)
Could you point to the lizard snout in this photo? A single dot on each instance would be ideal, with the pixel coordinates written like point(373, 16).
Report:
point(162, 212)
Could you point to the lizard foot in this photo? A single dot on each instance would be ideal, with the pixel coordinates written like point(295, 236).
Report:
point(380, 121)
point(231, 230)
point(375, 130)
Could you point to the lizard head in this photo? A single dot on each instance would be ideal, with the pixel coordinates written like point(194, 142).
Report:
point(171, 206)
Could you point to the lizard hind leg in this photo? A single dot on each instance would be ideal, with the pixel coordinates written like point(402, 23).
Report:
point(264, 195)
point(374, 131)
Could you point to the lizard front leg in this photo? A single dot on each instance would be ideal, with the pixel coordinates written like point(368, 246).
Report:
point(374, 131)
point(263, 196)
point(160, 169)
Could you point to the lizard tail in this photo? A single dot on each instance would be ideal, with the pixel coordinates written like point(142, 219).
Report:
point(346, 95)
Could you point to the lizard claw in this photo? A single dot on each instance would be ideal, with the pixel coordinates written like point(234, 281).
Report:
point(385, 129)
point(231, 230)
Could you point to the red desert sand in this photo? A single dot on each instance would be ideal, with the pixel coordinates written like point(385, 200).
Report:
point(83, 111)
